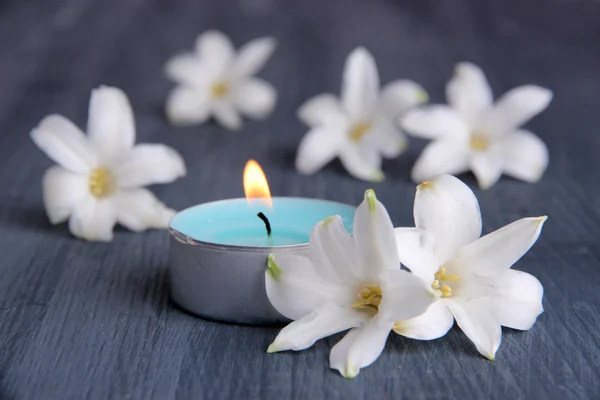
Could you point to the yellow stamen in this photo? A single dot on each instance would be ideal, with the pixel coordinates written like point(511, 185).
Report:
point(371, 298)
point(441, 278)
point(479, 142)
point(219, 89)
point(358, 131)
point(446, 290)
point(101, 182)
point(435, 284)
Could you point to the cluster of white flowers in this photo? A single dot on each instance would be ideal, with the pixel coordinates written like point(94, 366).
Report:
point(356, 282)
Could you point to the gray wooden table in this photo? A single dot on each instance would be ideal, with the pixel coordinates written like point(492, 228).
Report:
point(89, 320)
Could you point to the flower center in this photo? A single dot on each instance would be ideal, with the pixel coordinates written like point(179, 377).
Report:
point(370, 298)
point(479, 142)
point(102, 182)
point(441, 283)
point(219, 89)
point(358, 131)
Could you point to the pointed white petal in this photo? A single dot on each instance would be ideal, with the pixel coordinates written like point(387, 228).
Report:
point(226, 115)
point(518, 299)
point(476, 320)
point(111, 127)
point(63, 190)
point(435, 122)
point(444, 156)
point(255, 98)
point(65, 144)
point(321, 110)
point(447, 208)
point(432, 324)
point(469, 92)
point(515, 108)
point(524, 156)
point(374, 237)
point(360, 86)
point(188, 106)
point(362, 163)
point(139, 209)
point(494, 253)
point(187, 69)
point(487, 168)
point(325, 321)
point(416, 249)
point(405, 296)
point(385, 138)
point(253, 56)
point(295, 288)
point(215, 50)
point(318, 147)
point(399, 96)
point(359, 348)
point(93, 219)
point(149, 164)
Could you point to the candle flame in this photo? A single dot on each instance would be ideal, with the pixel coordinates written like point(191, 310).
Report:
point(255, 184)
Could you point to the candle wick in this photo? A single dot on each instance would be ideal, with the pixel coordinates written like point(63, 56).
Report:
point(266, 221)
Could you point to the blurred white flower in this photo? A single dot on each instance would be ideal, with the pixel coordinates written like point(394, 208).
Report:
point(475, 134)
point(349, 282)
point(216, 81)
point(100, 178)
point(360, 128)
point(470, 276)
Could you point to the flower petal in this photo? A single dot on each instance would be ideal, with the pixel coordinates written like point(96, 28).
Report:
point(432, 324)
point(187, 69)
point(385, 138)
point(447, 208)
point(111, 127)
point(416, 250)
point(65, 144)
point(253, 56)
point(476, 320)
point(524, 156)
point(405, 296)
point(518, 301)
point(434, 122)
point(93, 219)
point(360, 86)
point(444, 156)
point(188, 106)
point(318, 147)
point(139, 209)
point(320, 110)
point(494, 253)
point(362, 162)
point(149, 164)
point(374, 237)
point(469, 92)
point(255, 98)
point(359, 348)
point(215, 50)
point(295, 288)
point(63, 190)
point(515, 108)
point(226, 115)
point(487, 168)
point(325, 321)
point(399, 96)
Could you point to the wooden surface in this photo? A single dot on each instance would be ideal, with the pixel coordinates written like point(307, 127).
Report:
point(94, 321)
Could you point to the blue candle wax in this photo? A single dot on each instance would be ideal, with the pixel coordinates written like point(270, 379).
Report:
point(235, 222)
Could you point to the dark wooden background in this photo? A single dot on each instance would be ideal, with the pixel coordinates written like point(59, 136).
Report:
point(89, 320)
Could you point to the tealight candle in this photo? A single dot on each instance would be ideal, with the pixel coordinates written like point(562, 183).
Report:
point(219, 250)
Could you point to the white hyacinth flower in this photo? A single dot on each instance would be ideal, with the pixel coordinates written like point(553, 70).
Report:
point(475, 134)
point(470, 276)
point(216, 81)
point(100, 177)
point(349, 282)
point(361, 127)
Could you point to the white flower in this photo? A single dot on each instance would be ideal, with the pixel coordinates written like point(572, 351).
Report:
point(216, 81)
point(361, 128)
point(100, 177)
point(348, 282)
point(475, 134)
point(471, 276)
